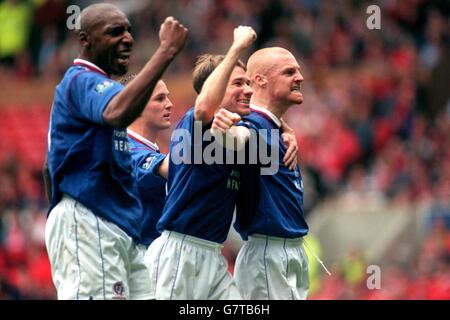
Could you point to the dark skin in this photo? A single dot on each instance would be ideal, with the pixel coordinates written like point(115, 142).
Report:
point(105, 40)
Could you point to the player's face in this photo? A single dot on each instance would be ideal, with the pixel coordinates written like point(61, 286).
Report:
point(111, 43)
point(158, 109)
point(284, 80)
point(238, 93)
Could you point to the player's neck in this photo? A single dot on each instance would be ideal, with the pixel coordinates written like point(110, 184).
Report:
point(89, 59)
point(146, 132)
point(266, 104)
point(151, 135)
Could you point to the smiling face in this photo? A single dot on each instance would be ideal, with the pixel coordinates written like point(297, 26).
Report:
point(156, 114)
point(107, 41)
point(238, 93)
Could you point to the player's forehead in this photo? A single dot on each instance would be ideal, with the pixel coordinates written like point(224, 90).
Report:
point(161, 88)
point(285, 60)
point(239, 74)
point(111, 18)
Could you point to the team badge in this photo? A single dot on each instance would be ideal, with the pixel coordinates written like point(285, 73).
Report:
point(118, 290)
point(148, 163)
point(102, 87)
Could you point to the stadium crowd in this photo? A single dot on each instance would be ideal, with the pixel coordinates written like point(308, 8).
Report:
point(375, 122)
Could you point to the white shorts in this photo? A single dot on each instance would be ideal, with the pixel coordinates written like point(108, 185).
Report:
point(271, 268)
point(183, 267)
point(92, 258)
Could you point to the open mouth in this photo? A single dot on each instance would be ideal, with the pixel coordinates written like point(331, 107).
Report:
point(124, 57)
point(296, 88)
point(244, 101)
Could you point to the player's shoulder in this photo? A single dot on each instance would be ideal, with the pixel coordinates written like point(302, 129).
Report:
point(84, 76)
point(187, 120)
point(133, 144)
point(251, 121)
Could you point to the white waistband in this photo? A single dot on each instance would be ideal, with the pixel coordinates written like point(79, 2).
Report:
point(192, 240)
point(260, 238)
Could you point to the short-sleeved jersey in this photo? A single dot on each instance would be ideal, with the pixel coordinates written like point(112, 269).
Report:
point(88, 159)
point(201, 197)
point(152, 187)
point(278, 198)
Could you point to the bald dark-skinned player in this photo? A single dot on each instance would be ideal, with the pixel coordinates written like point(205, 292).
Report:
point(93, 228)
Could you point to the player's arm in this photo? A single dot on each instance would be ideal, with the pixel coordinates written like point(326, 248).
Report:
point(290, 141)
point(150, 169)
point(227, 134)
point(163, 169)
point(127, 105)
point(213, 89)
point(47, 181)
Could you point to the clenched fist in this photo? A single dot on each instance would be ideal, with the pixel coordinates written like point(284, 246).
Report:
point(224, 120)
point(172, 35)
point(243, 37)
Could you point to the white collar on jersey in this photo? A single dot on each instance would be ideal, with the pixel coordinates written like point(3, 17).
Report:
point(147, 142)
point(88, 63)
point(267, 113)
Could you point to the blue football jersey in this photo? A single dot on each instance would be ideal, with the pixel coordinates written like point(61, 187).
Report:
point(88, 159)
point(201, 197)
point(276, 201)
point(152, 187)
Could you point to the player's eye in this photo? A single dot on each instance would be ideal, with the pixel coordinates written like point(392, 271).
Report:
point(116, 31)
point(290, 72)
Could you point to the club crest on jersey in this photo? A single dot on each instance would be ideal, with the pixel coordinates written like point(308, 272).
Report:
point(102, 87)
point(148, 163)
point(118, 290)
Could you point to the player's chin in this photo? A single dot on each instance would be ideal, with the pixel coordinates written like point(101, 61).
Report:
point(243, 110)
point(297, 98)
point(299, 101)
point(120, 71)
point(166, 123)
point(120, 68)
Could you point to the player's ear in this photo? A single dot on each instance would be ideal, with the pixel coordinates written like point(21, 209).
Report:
point(84, 39)
point(260, 80)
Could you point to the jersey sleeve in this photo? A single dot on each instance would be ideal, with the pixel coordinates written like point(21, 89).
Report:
point(90, 93)
point(146, 169)
point(247, 124)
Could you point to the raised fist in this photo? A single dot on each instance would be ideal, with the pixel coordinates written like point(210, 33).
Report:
point(172, 35)
point(244, 37)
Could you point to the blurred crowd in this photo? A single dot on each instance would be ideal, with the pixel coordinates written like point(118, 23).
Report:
point(24, 265)
point(428, 278)
point(375, 121)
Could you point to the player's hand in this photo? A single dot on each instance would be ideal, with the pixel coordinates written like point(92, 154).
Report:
point(290, 158)
point(224, 120)
point(172, 35)
point(244, 36)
